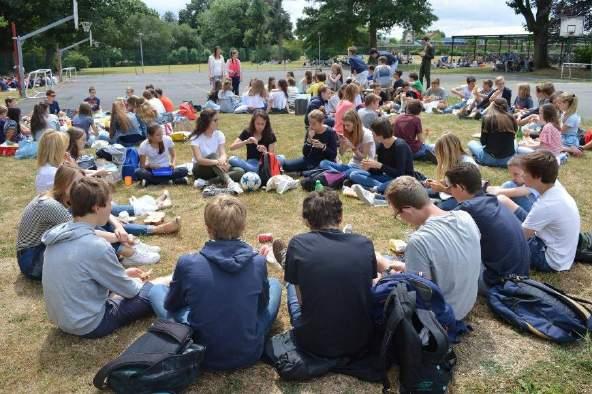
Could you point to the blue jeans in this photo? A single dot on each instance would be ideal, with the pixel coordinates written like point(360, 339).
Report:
point(570, 140)
point(294, 307)
point(131, 228)
point(538, 259)
point(298, 165)
point(459, 105)
point(525, 202)
point(250, 165)
point(331, 165)
point(368, 180)
point(484, 158)
point(120, 312)
point(116, 209)
point(422, 153)
point(30, 261)
point(265, 317)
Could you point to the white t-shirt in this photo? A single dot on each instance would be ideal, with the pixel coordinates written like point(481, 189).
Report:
point(208, 145)
point(153, 158)
point(447, 250)
point(278, 99)
point(367, 138)
point(216, 65)
point(157, 105)
point(253, 101)
point(44, 178)
point(555, 219)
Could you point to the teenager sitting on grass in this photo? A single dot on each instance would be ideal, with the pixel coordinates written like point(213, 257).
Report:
point(210, 163)
point(370, 112)
point(81, 269)
point(51, 153)
point(227, 100)
point(154, 102)
point(383, 73)
point(320, 78)
point(515, 188)
point(496, 224)
point(278, 98)
point(125, 127)
point(255, 98)
point(552, 226)
point(42, 120)
point(550, 136)
point(306, 81)
point(157, 153)
point(445, 247)
point(434, 92)
point(227, 277)
point(329, 275)
point(84, 120)
point(543, 92)
point(320, 102)
point(570, 122)
point(357, 139)
point(463, 92)
point(258, 138)
point(320, 143)
point(416, 83)
point(408, 127)
point(93, 100)
point(523, 100)
point(335, 78)
point(347, 103)
point(166, 102)
point(496, 145)
point(393, 159)
point(54, 106)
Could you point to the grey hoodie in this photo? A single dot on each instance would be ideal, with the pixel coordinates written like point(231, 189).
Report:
point(79, 271)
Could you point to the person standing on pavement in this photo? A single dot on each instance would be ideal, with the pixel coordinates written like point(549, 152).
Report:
point(427, 54)
point(216, 66)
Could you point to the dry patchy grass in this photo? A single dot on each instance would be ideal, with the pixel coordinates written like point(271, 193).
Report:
point(36, 357)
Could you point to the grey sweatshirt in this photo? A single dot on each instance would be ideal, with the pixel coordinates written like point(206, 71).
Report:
point(80, 269)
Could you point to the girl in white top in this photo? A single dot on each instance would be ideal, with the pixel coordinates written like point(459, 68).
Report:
point(357, 139)
point(256, 97)
point(278, 98)
point(210, 162)
point(52, 152)
point(154, 102)
point(158, 159)
point(216, 66)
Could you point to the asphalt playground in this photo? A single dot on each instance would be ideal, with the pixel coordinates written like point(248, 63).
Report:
point(194, 86)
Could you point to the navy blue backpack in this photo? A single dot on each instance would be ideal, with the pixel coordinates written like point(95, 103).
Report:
point(541, 309)
point(429, 298)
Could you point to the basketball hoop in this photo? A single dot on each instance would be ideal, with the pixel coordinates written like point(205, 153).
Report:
point(86, 26)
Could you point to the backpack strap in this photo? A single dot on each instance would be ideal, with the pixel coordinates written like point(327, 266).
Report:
point(179, 332)
point(429, 321)
point(138, 360)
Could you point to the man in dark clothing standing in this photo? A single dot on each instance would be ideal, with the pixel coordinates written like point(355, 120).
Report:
point(426, 61)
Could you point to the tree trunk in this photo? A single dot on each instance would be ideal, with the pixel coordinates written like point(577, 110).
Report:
point(372, 39)
point(541, 39)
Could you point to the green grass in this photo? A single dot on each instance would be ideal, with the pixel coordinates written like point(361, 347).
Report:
point(494, 358)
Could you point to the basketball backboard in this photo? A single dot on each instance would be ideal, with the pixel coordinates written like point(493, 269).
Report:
point(572, 26)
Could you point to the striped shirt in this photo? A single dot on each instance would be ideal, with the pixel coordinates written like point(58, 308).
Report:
point(40, 215)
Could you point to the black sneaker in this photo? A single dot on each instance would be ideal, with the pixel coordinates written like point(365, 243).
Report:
point(348, 183)
point(431, 157)
point(279, 248)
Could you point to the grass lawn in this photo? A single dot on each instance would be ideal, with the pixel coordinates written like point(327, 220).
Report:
point(37, 357)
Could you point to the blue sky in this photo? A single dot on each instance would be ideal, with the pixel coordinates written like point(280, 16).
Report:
point(456, 17)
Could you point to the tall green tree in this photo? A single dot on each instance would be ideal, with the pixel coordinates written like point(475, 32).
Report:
point(224, 23)
point(170, 17)
point(190, 14)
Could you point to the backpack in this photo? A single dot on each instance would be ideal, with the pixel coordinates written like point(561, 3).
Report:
point(329, 178)
point(164, 359)
point(430, 298)
point(187, 110)
point(541, 309)
point(113, 153)
point(130, 163)
point(269, 166)
point(584, 249)
point(416, 342)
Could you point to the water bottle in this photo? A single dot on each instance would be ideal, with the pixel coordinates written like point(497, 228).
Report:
point(348, 229)
point(318, 186)
point(519, 135)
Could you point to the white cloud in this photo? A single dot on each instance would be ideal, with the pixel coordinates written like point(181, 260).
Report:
point(456, 17)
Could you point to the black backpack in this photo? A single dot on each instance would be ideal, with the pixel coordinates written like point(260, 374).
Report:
point(415, 341)
point(164, 359)
point(584, 250)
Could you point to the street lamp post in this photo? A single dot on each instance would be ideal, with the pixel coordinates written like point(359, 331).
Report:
point(141, 52)
point(319, 35)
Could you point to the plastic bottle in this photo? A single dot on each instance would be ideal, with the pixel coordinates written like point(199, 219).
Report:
point(319, 186)
point(519, 134)
point(348, 229)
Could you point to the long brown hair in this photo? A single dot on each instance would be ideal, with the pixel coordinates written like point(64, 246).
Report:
point(153, 128)
point(38, 120)
point(206, 117)
point(64, 178)
point(75, 134)
point(550, 115)
point(350, 92)
point(357, 134)
point(283, 86)
point(498, 119)
point(267, 131)
point(119, 119)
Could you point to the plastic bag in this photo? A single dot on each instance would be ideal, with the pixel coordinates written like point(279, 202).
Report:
point(27, 149)
point(143, 205)
point(281, 183)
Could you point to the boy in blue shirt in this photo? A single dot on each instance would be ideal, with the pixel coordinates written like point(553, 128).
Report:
point(359, 68)
point(222, 291)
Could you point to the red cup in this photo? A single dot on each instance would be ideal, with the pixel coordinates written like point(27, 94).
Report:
point(265, 238)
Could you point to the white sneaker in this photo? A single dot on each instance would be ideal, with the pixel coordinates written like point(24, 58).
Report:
point(200, 183)
point(363, 194)
point(235, 187)
point(141, 257)
point(147, 248)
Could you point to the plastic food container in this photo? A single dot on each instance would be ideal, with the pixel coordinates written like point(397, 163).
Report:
point(7, 150)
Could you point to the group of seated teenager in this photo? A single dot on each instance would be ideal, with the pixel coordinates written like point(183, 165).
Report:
point(329, 274)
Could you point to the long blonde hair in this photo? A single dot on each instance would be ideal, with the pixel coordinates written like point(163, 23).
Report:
point(52, 148)
point(357, 134)
point(146, 113)
point(449, 152)
point(572, 102)
point(258, 88)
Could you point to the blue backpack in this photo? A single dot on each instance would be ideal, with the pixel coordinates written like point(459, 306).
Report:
point(429, 297)
point(541, 309)
point(130, 163)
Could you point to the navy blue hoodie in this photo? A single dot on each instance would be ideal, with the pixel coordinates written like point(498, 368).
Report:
point(225, 287)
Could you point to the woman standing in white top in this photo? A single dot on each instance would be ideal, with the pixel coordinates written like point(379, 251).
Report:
point(216, 66)
point(210, 162)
